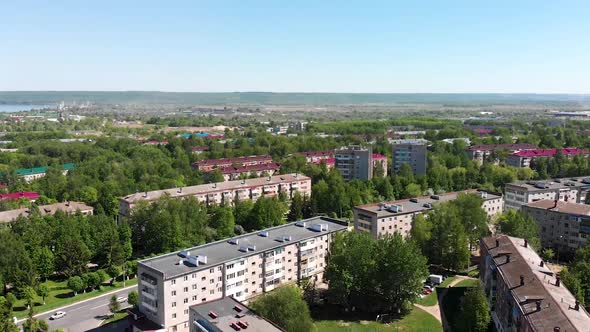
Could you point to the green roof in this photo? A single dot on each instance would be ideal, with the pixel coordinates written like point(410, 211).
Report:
point(37, 170)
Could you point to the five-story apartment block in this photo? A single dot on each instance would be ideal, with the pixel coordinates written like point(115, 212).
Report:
point(241, 267)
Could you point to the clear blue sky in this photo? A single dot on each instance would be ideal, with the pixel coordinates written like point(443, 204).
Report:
point(313, 46)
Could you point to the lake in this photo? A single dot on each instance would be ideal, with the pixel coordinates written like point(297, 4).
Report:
point(10, 108)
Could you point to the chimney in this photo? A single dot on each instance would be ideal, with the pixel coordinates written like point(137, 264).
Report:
point(557, 281)
point(554, 205)
point(521, 280)
point(507, 259)
point(497, 243)
point(556, 329)
point(577, 306)
point(541, 264)
point(538, 303)
point(526, 243)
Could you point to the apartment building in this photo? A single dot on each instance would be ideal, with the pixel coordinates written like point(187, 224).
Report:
point(238, 172)
point(525, 158)
point(571, 190)
point(397, 216)
point(49, 209)
point(227, 315)
point(241, 267)
point(354, 162)
point(30, 174)
point(484, 151)
point(380, 160)
point(409, 151)
point(563, 225)
point(523, 292)
point(211, 164)
point(225, 192)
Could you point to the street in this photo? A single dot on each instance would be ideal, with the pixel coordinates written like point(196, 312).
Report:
point(84, 315)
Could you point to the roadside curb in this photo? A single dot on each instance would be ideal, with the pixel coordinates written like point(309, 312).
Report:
point(77, 303)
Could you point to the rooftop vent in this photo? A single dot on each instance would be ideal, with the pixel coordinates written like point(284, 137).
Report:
point(251, 247)
point(414, 200)
point(395, 208)
point(483, 194)
point(243, 248)
point(435, 197)
point(263, 233)
point(319, 227)
point(233, 241)
point(300, 224)
point(284, 239)
point(184, 253)
point(542, 185)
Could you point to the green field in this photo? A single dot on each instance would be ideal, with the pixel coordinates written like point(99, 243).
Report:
point(417, 320)
point(60, 295)
point(432, 298)
point(467, 283)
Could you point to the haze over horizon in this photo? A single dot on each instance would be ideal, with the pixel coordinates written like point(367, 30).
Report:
point(328, 47)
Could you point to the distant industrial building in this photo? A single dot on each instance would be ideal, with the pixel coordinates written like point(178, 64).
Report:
point(525, 158)
point(483, 152)
point(564, 226)
point(225, 192)
point(393, 217)
point(49, 209)
point(571, 190)
point(523, 292)
point(354, 163)
point(409, 151)
point(241, 267)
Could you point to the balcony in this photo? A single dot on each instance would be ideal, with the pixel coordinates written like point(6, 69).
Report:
point(149, 307)
point(148, 295)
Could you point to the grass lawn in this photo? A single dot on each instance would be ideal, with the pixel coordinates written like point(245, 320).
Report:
point(122, 314)
point(467, 283)
point(432, 298)
point(60, 295)
point(417, 320)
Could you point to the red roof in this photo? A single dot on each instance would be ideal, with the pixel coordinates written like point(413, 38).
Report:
point(318, 153)
point(483, 131)
point(495, 147)
point(232, 160)
point(21, 194)
point(378, 156)
point(250, 168)
point(328, 161)
point(550, 152)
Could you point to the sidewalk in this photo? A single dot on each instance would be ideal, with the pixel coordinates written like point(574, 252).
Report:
point(435, 309)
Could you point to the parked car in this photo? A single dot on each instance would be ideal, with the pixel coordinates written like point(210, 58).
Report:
point(436, 279)
point(426, 291)
point(58, 315)
point(121, 299)
point(428, 287)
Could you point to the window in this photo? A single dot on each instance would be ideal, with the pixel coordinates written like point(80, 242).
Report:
point(173, 316)
point(229, 266)
point(185, 289)
point(203, 279)
point(186, 311)
point(211, 281)
point(185, 278)
point(240, 273)
point(194, 286)
point(173, 282)
point(204, 299)
point(238, 294)
point(203, 289)
point(194, 297)
point(173, 293)
point(231, 275)
point(173, 304)
point(219, 268)
point(194, 275)
point(211, 270)
point(186, 300)
point(211, 292)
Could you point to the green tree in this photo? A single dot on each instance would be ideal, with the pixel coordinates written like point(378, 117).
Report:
point(114, 305)
point(421, 233)
point(29, 295)
point(412, 190)
point(223, 222)
point(6, 322)
point(286, 308)
point(475, 311)
point(113, 271)
point(518, 224)
point(547, 254)
point(267, 212)
point(133, 298)
point(43, 291)
point(472, 216)
point(297, 207)
point(573, 284)
point(44, 262)
point(16, 267)
point(76, 284)
point(449, 245)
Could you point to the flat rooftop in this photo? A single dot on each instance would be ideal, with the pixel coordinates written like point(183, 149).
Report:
point(411, 205)
point(225, 310)
point(557, 303)
point(410, 141)
point(222, 251)
point(213, 187)
point(561, 206)
point(67, 207)
point(552, 184)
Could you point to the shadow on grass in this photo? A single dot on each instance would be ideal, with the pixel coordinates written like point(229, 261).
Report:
point(64, 295)
point(451, 304)
point(339, 313)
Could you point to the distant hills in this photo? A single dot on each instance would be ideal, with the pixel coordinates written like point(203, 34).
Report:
point(270, 98)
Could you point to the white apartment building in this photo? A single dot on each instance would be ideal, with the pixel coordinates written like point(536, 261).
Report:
point(397, 216)
point(241, 267)
point(571, 190)
point(225, 192)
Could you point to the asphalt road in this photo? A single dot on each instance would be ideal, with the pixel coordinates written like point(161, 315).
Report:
point(84, 315)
